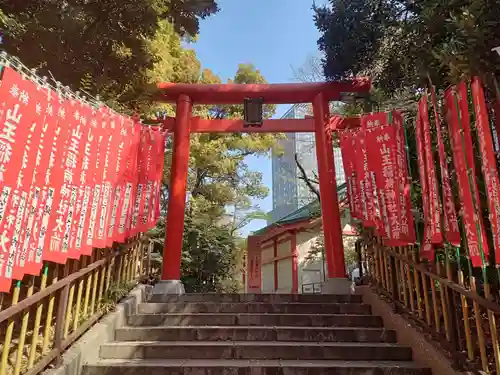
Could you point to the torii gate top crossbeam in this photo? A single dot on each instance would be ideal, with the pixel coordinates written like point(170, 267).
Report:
point(281, 93)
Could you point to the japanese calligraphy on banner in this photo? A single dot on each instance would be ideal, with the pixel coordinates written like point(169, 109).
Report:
point(68, 176)
point(109, 151)
point(407, 219)
point(50, 111)
point(127, 182)
point(147, 179)
point(87, 182)
point(142, 165)
point(427, 248)
point(386, 160)
point(15, 166)
point(159, 175)
point(488, 161)
point(365, 179)
point(462, 156)
point(450, 221)
point(33, 115)
point(61, 176)
point(432, 213)
point(123, 145)
point(348, 149)
point(155, 177)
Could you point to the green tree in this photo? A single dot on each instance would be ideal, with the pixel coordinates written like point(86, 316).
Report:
point(399, 42)
point(102, 47)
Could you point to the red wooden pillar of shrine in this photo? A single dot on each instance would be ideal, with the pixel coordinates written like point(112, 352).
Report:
point(174, 230)
point(334, 249)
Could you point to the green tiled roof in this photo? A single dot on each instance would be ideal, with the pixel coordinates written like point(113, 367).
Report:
point(306, 212)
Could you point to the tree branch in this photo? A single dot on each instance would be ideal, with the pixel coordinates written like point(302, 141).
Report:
point(307, 180)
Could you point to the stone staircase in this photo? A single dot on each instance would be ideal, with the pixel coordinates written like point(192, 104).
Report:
point(257, 334)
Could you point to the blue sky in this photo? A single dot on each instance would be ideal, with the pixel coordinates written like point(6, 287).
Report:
point(274, 35)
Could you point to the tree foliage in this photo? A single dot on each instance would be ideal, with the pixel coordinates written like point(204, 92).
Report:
point(102, 47)
point(399, 42)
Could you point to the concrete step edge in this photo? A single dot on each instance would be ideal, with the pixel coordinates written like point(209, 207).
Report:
point(294, 303)
point(248, 314)
point(280, 328)
point(250, 343)
point(252, 363)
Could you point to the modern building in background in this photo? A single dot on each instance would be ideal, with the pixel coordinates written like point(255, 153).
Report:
point(290, 192)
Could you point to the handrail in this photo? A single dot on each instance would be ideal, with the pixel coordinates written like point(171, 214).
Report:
point(79, 299)
point(440, 300)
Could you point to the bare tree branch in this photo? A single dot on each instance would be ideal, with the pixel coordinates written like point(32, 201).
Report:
point(307, 180)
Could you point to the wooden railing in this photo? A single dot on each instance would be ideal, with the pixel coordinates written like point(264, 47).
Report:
point(44, 315)
point(444, 300)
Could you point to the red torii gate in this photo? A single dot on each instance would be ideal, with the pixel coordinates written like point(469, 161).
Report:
point(185, 95)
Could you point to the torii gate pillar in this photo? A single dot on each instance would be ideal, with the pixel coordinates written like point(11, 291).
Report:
point(172, 253)
point(330, 213)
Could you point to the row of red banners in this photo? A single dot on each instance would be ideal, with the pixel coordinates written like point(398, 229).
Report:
point(72, 177)
point(375, 163)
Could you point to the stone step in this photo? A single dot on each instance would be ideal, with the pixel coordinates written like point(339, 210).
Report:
point(252, 367)
point(255, 333)
point(255, 350)
point(222, 319)
point(268, 298)
point(258, 307)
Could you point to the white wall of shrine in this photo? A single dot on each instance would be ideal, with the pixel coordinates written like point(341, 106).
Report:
point(309, 271)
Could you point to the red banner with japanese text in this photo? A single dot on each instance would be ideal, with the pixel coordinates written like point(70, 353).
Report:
point(142, 174)
point(10, 120)
point(149, 176)
point(30, 177)
point(87, 183)
point(74, 173)
point(473, 225)
point(115, 123)
point(17, 137)
point(488, 161)
point(365, 180)
point(433, 216)
point(157, 162)
point(160, 163)
point(450, 221)
point(130, 180)
point(385, 156)
point(368, 122)
point(407, 220)
point(381, 148)
point(49, 198)
point(94, 177)
point(348, 150)
point(427, 248)
point(61, 182)
point(124, 142)
point(104, 175)
point(52, 109)
point(125, 179)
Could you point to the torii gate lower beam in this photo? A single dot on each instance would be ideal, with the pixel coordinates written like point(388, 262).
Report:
point(185, 95)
